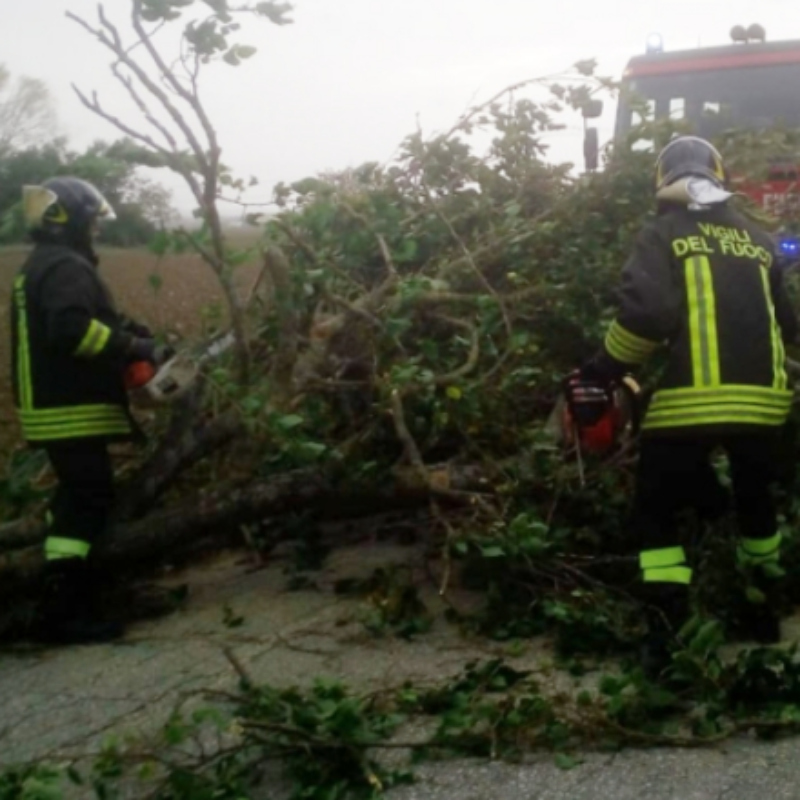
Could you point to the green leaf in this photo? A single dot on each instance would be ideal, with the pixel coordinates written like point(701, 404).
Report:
point(773, 570)
point(493, 551)
point(275, 12)
point(245, 51)
point(230, 619)
point(708, 637)
point(565, 761)
point(289, 422)
point(155, 281)
point(454, 393)
point(231, 57)
point(160, 243)
point(755, 595)
point(313, 449)
point(74, 776)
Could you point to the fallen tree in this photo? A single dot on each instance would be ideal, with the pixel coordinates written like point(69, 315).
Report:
point(411, 314)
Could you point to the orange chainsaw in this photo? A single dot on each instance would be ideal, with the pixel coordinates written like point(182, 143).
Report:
point(595, 414)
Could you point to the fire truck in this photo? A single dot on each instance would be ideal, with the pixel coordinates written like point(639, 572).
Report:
point(751, 84)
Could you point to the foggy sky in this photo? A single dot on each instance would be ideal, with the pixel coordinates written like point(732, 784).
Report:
point(350, 78)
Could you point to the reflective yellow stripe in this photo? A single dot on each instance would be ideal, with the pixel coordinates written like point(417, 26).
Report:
point(74, 432)
point(762, 547)
point(69, 422)
point(626, 347)
point(665, 557)
point(23, 346)
point(56, 547)
point(759, 551)
point(702, 322)
point(668, 575)
point(729, 392)
point(95, 340)
point(680, 420)
point(73, 422)
point(735, 404)
point(778, 354)
point(74, 413)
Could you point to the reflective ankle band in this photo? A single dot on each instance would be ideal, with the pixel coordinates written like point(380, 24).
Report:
point(56, 547)
point(668, 575)
point(664, 557)
point(665, 565)
point(759, 551)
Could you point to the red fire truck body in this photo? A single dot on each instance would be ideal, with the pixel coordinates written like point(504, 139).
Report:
point(749, 85)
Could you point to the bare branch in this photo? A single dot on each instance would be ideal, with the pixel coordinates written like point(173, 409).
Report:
point(472, 359)
point(404, 435)
point(114, 44)
point(94, 106)
point(469, 258)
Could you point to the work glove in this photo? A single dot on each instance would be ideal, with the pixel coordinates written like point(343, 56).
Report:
point(587, 396)
point(128, 325)
point(149, 350)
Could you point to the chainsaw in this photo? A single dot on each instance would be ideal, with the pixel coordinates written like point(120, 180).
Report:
point(595, 418)
point(175, 377)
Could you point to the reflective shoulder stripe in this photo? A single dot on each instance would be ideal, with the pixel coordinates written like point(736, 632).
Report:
point(94, 341)
point(626, 347)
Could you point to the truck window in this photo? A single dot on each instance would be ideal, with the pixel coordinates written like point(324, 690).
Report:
point(715, 100)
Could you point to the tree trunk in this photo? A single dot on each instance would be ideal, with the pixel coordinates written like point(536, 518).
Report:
point(218, 513)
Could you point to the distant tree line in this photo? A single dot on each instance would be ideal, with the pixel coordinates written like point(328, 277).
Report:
point(31, 151)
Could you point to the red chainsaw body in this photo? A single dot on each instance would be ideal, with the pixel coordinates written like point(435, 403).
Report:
point(139, 374)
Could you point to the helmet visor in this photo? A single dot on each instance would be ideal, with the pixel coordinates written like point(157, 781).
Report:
point(105, 212)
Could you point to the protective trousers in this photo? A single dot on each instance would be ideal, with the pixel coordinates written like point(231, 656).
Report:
point(80, 508)
point(676, 474)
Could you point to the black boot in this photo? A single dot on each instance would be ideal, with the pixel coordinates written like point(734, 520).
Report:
point(68, 613)
point(760, 621)
point(667, 611)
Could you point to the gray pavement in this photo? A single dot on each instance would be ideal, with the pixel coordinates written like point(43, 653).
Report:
point(63, 702)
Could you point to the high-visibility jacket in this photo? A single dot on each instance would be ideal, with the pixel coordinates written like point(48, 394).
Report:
point(68, 350)
point(705, 285)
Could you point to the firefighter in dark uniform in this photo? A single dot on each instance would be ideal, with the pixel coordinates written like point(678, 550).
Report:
point(702, 281)
point(70, 348)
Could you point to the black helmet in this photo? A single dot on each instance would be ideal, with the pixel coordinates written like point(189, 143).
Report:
point(65, 209)
point(689, 155)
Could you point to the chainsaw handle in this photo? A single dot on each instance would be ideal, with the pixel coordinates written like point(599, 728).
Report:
point(634, 392)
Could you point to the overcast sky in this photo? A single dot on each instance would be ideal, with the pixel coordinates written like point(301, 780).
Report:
point(350, 78)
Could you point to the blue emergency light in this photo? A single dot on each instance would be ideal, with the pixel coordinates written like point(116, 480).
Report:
point(655, 43)
point(789, 246)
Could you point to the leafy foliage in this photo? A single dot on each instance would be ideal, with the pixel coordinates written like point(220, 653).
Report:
point(330, 740)
point(424, 311)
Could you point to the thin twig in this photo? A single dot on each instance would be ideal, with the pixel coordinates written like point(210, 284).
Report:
point(470, 259)
point(472, 359)
point(410, 446)
point(239, 668)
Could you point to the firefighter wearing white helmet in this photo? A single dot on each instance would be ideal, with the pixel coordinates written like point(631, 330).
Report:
point(702, 284)
point(70, 348)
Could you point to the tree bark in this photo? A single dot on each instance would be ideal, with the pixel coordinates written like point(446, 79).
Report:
point(218, 513)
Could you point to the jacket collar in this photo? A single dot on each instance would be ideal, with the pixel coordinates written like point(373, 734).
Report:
point(697, 194)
